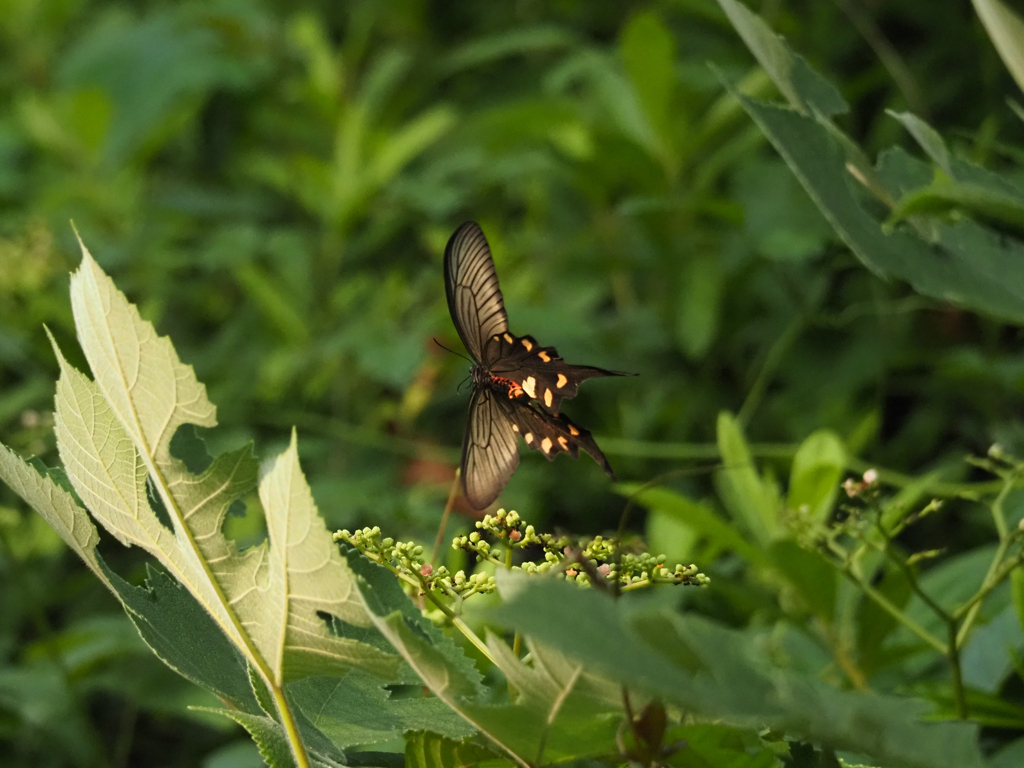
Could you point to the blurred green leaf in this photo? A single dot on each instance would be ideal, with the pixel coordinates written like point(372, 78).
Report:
point(818, 467)
point(40, 697)
point(967, 264)
point(809, 575)
point(801, 85)
point(648, 54)
point(733, 677)
point(1006, 29)
point(747, 498)
point(700, 303)
point(1017, 592)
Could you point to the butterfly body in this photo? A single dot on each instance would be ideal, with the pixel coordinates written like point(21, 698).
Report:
point(518, 385)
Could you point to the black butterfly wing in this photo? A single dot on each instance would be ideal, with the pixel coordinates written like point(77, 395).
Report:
point(549, 434)
point(489, 451)
point(471, 285)
point(542, 374)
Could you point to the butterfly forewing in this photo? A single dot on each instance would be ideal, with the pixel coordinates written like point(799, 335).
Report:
point(542, 374)
point(489, 451)
point(471, 285)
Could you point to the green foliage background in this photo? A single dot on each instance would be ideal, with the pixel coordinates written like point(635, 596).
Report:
point(273, 184)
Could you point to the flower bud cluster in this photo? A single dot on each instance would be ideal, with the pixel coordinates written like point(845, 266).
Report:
point(576, 561)
point(406, 560)
point(563, 555)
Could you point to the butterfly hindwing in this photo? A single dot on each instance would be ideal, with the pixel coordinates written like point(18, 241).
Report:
point(471, 285)
point(490, 453)
point(549, 434)
point(542, 374)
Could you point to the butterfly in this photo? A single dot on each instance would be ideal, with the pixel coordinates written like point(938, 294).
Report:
point(518, 385)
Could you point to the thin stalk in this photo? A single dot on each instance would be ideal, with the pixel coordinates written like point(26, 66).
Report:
point(991, 579)
point(771, 364)
point(896, 613)
point(444, 519)
point(459, 624)
point(958, 680)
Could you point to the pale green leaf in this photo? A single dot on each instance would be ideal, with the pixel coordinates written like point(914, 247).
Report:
point(304, 574)
point(1007, 32)
point(114, 437)
point(139, 373)
point(55, 505)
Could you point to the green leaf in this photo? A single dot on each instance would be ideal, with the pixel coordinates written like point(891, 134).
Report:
point(875, 624)
point(562, 707)
point(747, 498)
point(809, 575)
point(38, 697)
point(724, 674)
point(574, 712)
point(1017, 594)
point(719, 746)
point(668, 535)
point(186, 638)
point(965, 263)
point(428, 750)
point(356, 709)
point(988, 654)
point(802, 87)
point(1007, 32)
point(943, 197)
point(268, 735)
point(512, 42)
point(817, 469)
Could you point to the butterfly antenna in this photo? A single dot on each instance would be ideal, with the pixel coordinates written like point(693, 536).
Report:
point(442, 346)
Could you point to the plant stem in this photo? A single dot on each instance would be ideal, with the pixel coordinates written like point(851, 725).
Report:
point(291, 728)
point(884, 603)
point(444, 519)
point(993, 577)
point(958, 680)
point(771, 363)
